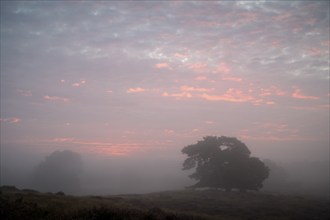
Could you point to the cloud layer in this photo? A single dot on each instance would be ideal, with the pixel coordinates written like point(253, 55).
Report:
point(124, 77)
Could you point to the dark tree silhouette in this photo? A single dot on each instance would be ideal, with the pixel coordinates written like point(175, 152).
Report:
point(59, 172)
point(224, 162)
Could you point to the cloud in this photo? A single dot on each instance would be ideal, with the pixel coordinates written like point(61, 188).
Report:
point(201, 78)
point(115, 150)
point(26, 93)
point(198, 67)
point(271, 91)
point(181, 57)
point(272, 131)
point(169, 131)
point(56, 98)
point(223, 68)
point(102, 147)
point(297, 94)
point(270, 102)
point(163, 66)
point(13, 120)
point(194, 89)
point(274, 45)
point(63, 139)
point(187, 92)
point(316, 107)
point(136, 90)
point(234, 79)
point(274, 138)
point(231, 95)
point(178, 95)
point(78, 84)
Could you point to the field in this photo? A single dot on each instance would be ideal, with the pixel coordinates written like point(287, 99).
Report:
point(185, 204)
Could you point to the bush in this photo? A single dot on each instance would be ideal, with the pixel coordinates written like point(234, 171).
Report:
point(60, 193)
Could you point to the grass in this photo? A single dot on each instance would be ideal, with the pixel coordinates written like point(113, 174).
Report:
point(180, 205)
point(235, 205)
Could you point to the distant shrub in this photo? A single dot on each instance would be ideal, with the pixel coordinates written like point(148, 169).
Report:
point(60, 193)
point(59, 171)
point(9, 188)
point(30, 190)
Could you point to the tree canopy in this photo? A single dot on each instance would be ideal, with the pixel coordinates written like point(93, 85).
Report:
point(224, 162)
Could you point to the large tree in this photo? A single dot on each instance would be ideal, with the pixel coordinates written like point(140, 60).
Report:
point(224, 162)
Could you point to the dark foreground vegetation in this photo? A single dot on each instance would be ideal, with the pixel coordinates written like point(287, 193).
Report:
point(188, 204)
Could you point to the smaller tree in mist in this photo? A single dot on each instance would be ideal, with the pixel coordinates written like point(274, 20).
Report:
point(224, 162)
point(59, 171)
point(278, 177)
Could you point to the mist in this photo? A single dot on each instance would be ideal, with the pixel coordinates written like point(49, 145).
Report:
point(298, 178)
point(99, 174)
point(113, 175)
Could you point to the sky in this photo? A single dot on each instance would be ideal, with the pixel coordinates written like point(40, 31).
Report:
point(126, 79)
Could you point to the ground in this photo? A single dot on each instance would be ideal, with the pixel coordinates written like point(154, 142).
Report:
point(184, 204)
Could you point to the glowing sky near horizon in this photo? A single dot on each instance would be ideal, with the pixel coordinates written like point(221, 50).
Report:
point(122, 78)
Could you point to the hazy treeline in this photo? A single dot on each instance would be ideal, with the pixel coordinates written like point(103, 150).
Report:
point(299, 177)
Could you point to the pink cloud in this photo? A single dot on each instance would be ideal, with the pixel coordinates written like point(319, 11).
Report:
point(101, 147)
point(201, 78)
point(135, 90)
point(198, 67)
point(299, 95)
point(178, 95)
point(56, 98)
point(272, 132)
point(234, 79)
point(186, 92)
point(222, 68)
point(271, 91)
point(326, 43)
point(327, 106)
point(78, 84)
point(317, 107)
point(180, 56)
point(163, 66)
point(283, 17)
point(231, 95)
point(13, 120)
point(119, 150)
point(194, 89)
point(209, 122)
point(25, 92)
point(274, 138)
point(63, 139)
point(315, 51)
point(277, 127)
point(169, 131)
